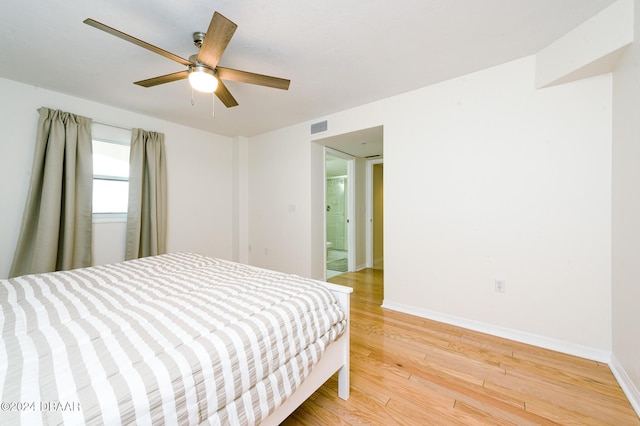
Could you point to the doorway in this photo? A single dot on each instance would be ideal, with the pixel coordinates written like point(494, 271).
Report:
point(375, 214)
point(339, 202)
point(361, 147)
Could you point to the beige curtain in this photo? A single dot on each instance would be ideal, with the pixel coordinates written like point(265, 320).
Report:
point(147, 215)
point(56, 225)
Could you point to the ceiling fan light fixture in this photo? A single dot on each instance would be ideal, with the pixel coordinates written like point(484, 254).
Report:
point(202, 79)
point(202, 68)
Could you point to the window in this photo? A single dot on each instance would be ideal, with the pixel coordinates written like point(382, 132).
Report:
point(110, 172)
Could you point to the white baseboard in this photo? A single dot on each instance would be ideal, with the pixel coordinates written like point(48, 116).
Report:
point(507, 333)
point(629, 389)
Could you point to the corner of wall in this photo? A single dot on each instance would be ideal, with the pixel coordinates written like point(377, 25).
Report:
point(590, 49)
point(240, 208)
point(629, 389)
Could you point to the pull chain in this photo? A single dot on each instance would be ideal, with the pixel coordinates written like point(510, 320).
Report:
point(213, 103)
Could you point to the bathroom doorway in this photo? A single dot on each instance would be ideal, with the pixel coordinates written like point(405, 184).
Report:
point(359, 148)
point(339, 202)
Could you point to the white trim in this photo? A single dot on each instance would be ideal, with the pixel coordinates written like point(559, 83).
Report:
point(507, 333)
point(324, 214)
point(629, 389)
point(111, 177)
point(103, 217)
point(360, 267)
point(351, 200)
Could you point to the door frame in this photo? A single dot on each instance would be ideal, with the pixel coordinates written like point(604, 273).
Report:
point(351, 205)
point(369, 209)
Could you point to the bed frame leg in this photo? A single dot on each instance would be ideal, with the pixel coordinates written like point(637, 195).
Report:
point(343, 382)
point(344, 300)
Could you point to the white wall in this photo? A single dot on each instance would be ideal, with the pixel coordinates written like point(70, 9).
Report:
point(626, 219)
point(279, 178)
point(317, 265)
point(199, 174)
point(485, 178)
point(109, 241)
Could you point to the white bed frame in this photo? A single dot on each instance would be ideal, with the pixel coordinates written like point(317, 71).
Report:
point(335, 358)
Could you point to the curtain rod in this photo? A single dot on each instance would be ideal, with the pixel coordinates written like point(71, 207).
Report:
point(112, 125)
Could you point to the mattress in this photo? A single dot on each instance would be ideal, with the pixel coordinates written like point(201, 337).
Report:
point(171, 339)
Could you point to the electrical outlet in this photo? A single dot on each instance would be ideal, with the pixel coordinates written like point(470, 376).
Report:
point(500, 286)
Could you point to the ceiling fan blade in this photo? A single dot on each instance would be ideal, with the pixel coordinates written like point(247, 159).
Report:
point(225, 96)
point(136, 41)
point(253, 78)
point(216, 40)
point(168, 78)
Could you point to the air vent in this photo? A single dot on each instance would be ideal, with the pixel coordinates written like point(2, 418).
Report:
point(319, 127)
point(372, 156)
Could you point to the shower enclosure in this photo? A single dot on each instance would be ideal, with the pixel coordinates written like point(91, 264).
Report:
point(338, 204)
point(337, 213)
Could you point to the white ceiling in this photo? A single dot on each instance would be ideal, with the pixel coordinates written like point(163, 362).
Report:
point(365, 143)
point(338, 54)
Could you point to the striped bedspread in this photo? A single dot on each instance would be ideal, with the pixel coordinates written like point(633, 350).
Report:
point(171, 339)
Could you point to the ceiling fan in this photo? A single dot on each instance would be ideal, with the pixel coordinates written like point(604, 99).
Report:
point(203, 71)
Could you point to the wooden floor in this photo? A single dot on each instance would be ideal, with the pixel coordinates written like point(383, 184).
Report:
point(407, 370)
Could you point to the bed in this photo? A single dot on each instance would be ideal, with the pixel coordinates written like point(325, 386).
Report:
point(173, 339)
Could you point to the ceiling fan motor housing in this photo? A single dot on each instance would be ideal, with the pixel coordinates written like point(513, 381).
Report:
point(198, 38)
